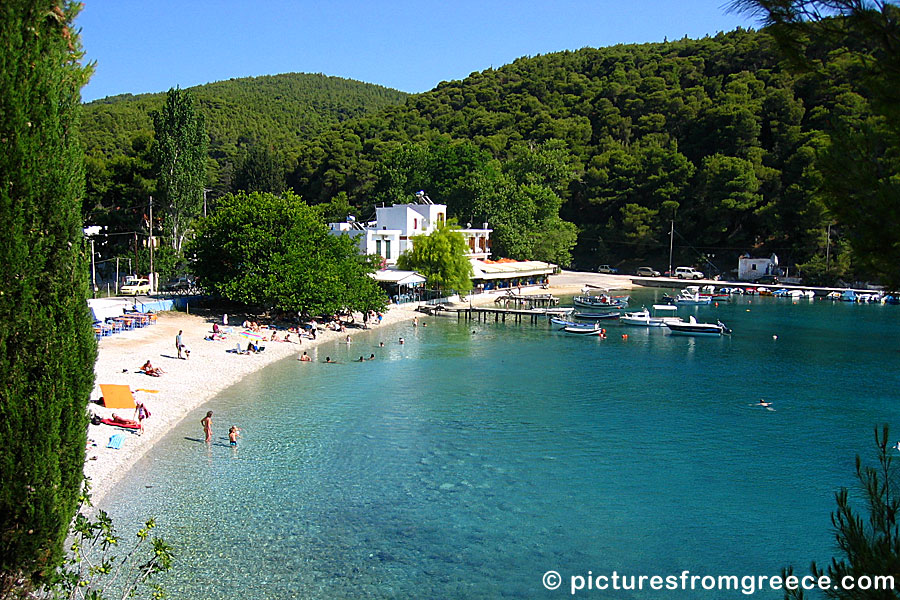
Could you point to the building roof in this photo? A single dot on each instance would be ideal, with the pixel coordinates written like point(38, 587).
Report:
point(398, 277)
point(504, 270)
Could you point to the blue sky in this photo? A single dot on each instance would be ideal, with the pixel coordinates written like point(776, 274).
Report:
point(150, 46)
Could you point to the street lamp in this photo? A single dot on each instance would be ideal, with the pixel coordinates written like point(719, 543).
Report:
point(91, 232)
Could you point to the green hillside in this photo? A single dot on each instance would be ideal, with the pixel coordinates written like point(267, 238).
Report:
point(278, 110)
point(713, 133)
point(587, 155)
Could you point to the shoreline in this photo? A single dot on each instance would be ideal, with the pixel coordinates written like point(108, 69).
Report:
point(188, 384)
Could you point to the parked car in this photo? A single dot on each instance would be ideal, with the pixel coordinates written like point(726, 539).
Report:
point(607, 269)
point(647, 272)
point(688, 273)
point(767, 280)
point(135, 285)
point(179, 284)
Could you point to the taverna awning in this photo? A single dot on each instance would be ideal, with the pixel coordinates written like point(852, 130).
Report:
point(398, 277)
point(509, 270)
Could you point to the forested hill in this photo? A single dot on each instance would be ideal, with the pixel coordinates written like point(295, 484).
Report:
point(278, 111)
point(712, 133)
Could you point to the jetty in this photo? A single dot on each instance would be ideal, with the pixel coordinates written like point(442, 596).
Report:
point(484, 313)
point(513, 300)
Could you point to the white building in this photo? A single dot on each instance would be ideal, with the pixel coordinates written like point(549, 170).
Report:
point(394, 227)
point(751, 269)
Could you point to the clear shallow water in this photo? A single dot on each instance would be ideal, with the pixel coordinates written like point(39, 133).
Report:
point(465, 465)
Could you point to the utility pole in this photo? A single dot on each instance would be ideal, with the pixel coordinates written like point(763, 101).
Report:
point(152, 282)
point(93, 271)
point(204, 201)
point(117, 276)
point(671, 242)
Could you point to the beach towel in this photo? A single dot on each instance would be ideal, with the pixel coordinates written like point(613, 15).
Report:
point(115, 441)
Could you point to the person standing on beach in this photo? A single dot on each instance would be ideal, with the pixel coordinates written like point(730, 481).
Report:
point(141, 413)
point(178, 344)
point(207, 426)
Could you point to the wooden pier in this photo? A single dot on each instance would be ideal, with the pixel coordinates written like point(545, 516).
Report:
point(516, 315)
point(521, 301)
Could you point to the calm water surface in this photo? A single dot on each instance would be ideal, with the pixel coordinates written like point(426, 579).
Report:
point(475, 457)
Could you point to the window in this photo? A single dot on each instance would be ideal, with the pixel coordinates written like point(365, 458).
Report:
point(752, 266)
point(415, 224)
point(440, 219)
point(387, 249)
point(378, 247)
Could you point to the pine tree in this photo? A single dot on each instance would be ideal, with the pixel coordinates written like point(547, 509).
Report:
point(47, 348)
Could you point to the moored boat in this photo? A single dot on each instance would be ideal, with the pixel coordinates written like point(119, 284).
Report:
point(580, 330)
point(646, 318)
point(592, 316)
point(600, 301)
point(692, 327)
point(690, 296)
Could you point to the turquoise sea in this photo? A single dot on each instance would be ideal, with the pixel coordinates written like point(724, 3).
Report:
point(475, 457)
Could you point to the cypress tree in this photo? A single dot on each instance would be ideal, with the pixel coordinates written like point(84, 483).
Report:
point(47, 348)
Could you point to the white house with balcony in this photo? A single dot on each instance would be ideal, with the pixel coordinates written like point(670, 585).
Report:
point(394, 227)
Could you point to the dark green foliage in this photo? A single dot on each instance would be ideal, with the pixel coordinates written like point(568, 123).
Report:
point(711, 132)
point(829, 42)
point(279, 111)
point(518, 198)
point(274, 252)
point(868, 540)
point(47, 348)
point(259, 170)
point(441, 258)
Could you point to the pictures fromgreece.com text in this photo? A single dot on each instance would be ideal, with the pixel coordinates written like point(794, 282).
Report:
point(585, 583)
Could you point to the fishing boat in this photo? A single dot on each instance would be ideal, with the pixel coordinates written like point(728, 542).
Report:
point(692, 327)
point(602, 300)
point(646, 318)
point(592, 316)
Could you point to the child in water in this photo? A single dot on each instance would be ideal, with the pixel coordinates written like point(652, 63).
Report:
point(233, 435)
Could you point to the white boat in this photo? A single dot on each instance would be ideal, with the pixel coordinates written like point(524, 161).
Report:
point(579, 330)
point(691, 296)
point(692, 327)
point(646, 318)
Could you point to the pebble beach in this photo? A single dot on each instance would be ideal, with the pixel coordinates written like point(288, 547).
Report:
point(187, 384)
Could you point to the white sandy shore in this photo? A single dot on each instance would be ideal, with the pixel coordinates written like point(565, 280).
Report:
point(188, 384)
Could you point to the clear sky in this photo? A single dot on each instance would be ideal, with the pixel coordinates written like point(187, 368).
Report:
point(152, 45)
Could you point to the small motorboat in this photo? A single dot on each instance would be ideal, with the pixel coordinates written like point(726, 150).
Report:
point(582, 330)
point(691, 296)
point(692, 327)
point(566, 322)
point(591, 316)
point(646, 318)
point(602, 300)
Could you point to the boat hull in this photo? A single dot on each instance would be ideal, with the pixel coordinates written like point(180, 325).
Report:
point(583, 330)
point(600, 302)
point(596, 316)
point(696, 332)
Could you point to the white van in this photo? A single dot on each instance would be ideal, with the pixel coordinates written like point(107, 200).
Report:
point(688, 273)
